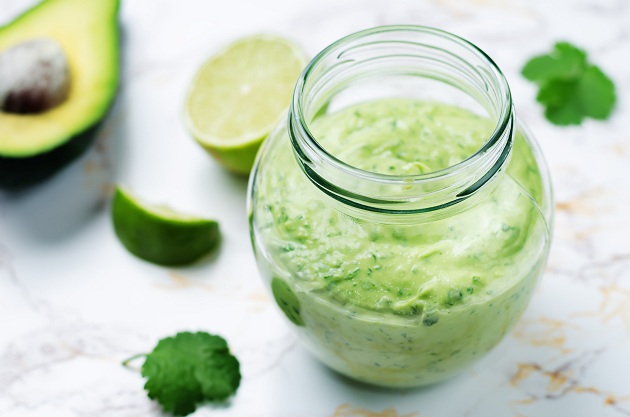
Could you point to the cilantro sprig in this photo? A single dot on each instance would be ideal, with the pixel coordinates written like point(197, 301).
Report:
point(190, 368)
point(570, 87)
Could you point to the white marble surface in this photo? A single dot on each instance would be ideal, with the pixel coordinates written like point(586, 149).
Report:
point(74, 303)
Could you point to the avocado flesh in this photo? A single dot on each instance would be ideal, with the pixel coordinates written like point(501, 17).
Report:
point(33, 146)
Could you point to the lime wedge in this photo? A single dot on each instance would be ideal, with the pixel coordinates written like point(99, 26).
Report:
point(158, 234)
point(239, 95)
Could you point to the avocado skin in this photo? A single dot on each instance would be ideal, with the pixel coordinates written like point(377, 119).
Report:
point(20, 173)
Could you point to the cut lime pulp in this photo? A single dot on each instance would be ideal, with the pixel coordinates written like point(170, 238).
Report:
point(239, 95)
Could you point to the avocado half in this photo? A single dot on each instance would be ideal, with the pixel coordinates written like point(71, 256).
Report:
point(36, 144)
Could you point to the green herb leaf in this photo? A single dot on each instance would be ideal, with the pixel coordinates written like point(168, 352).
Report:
point(565, 61)
point(189, 368)
point(571, 89)
point(287, 300)
point(561, 101)
point(597, 93)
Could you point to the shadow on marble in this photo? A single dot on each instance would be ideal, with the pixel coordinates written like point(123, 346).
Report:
point(62, 205)
point(232, 180)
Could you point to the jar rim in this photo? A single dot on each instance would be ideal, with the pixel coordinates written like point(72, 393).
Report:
point(504, 118)
point(408, 193)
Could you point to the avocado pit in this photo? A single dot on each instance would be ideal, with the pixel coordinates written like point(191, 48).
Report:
point(34, 77)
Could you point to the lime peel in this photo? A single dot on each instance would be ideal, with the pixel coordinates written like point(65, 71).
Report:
point(158, 234)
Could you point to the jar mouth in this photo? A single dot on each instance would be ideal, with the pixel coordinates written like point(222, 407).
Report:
point(309, 148)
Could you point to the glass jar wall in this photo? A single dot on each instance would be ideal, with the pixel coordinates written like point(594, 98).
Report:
point(401, 215)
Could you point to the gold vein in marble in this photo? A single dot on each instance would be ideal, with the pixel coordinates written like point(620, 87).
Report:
point(346, 410)
point(621, 149)
point(258, 300)
point(544, 332)
point(615, 303)
point(561, 382)
point(516, 403)
point(584, 203)
point(181, 282)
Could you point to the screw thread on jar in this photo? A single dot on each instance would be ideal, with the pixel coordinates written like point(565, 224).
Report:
point(371, 64)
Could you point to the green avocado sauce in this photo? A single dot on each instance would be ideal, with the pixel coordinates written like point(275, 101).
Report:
point(402, 303)
point(402, 137)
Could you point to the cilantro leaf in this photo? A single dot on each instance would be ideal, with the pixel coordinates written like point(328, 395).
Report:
point(565, 61)
point(597, 93)
point(189, 368)
point(561, 101)
point(570, 88)
point(555, 93)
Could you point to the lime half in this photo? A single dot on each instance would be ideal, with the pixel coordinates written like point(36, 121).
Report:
point(239, 95)
point(158, 234)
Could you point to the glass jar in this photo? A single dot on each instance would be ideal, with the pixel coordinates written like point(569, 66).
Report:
point(401, 216)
